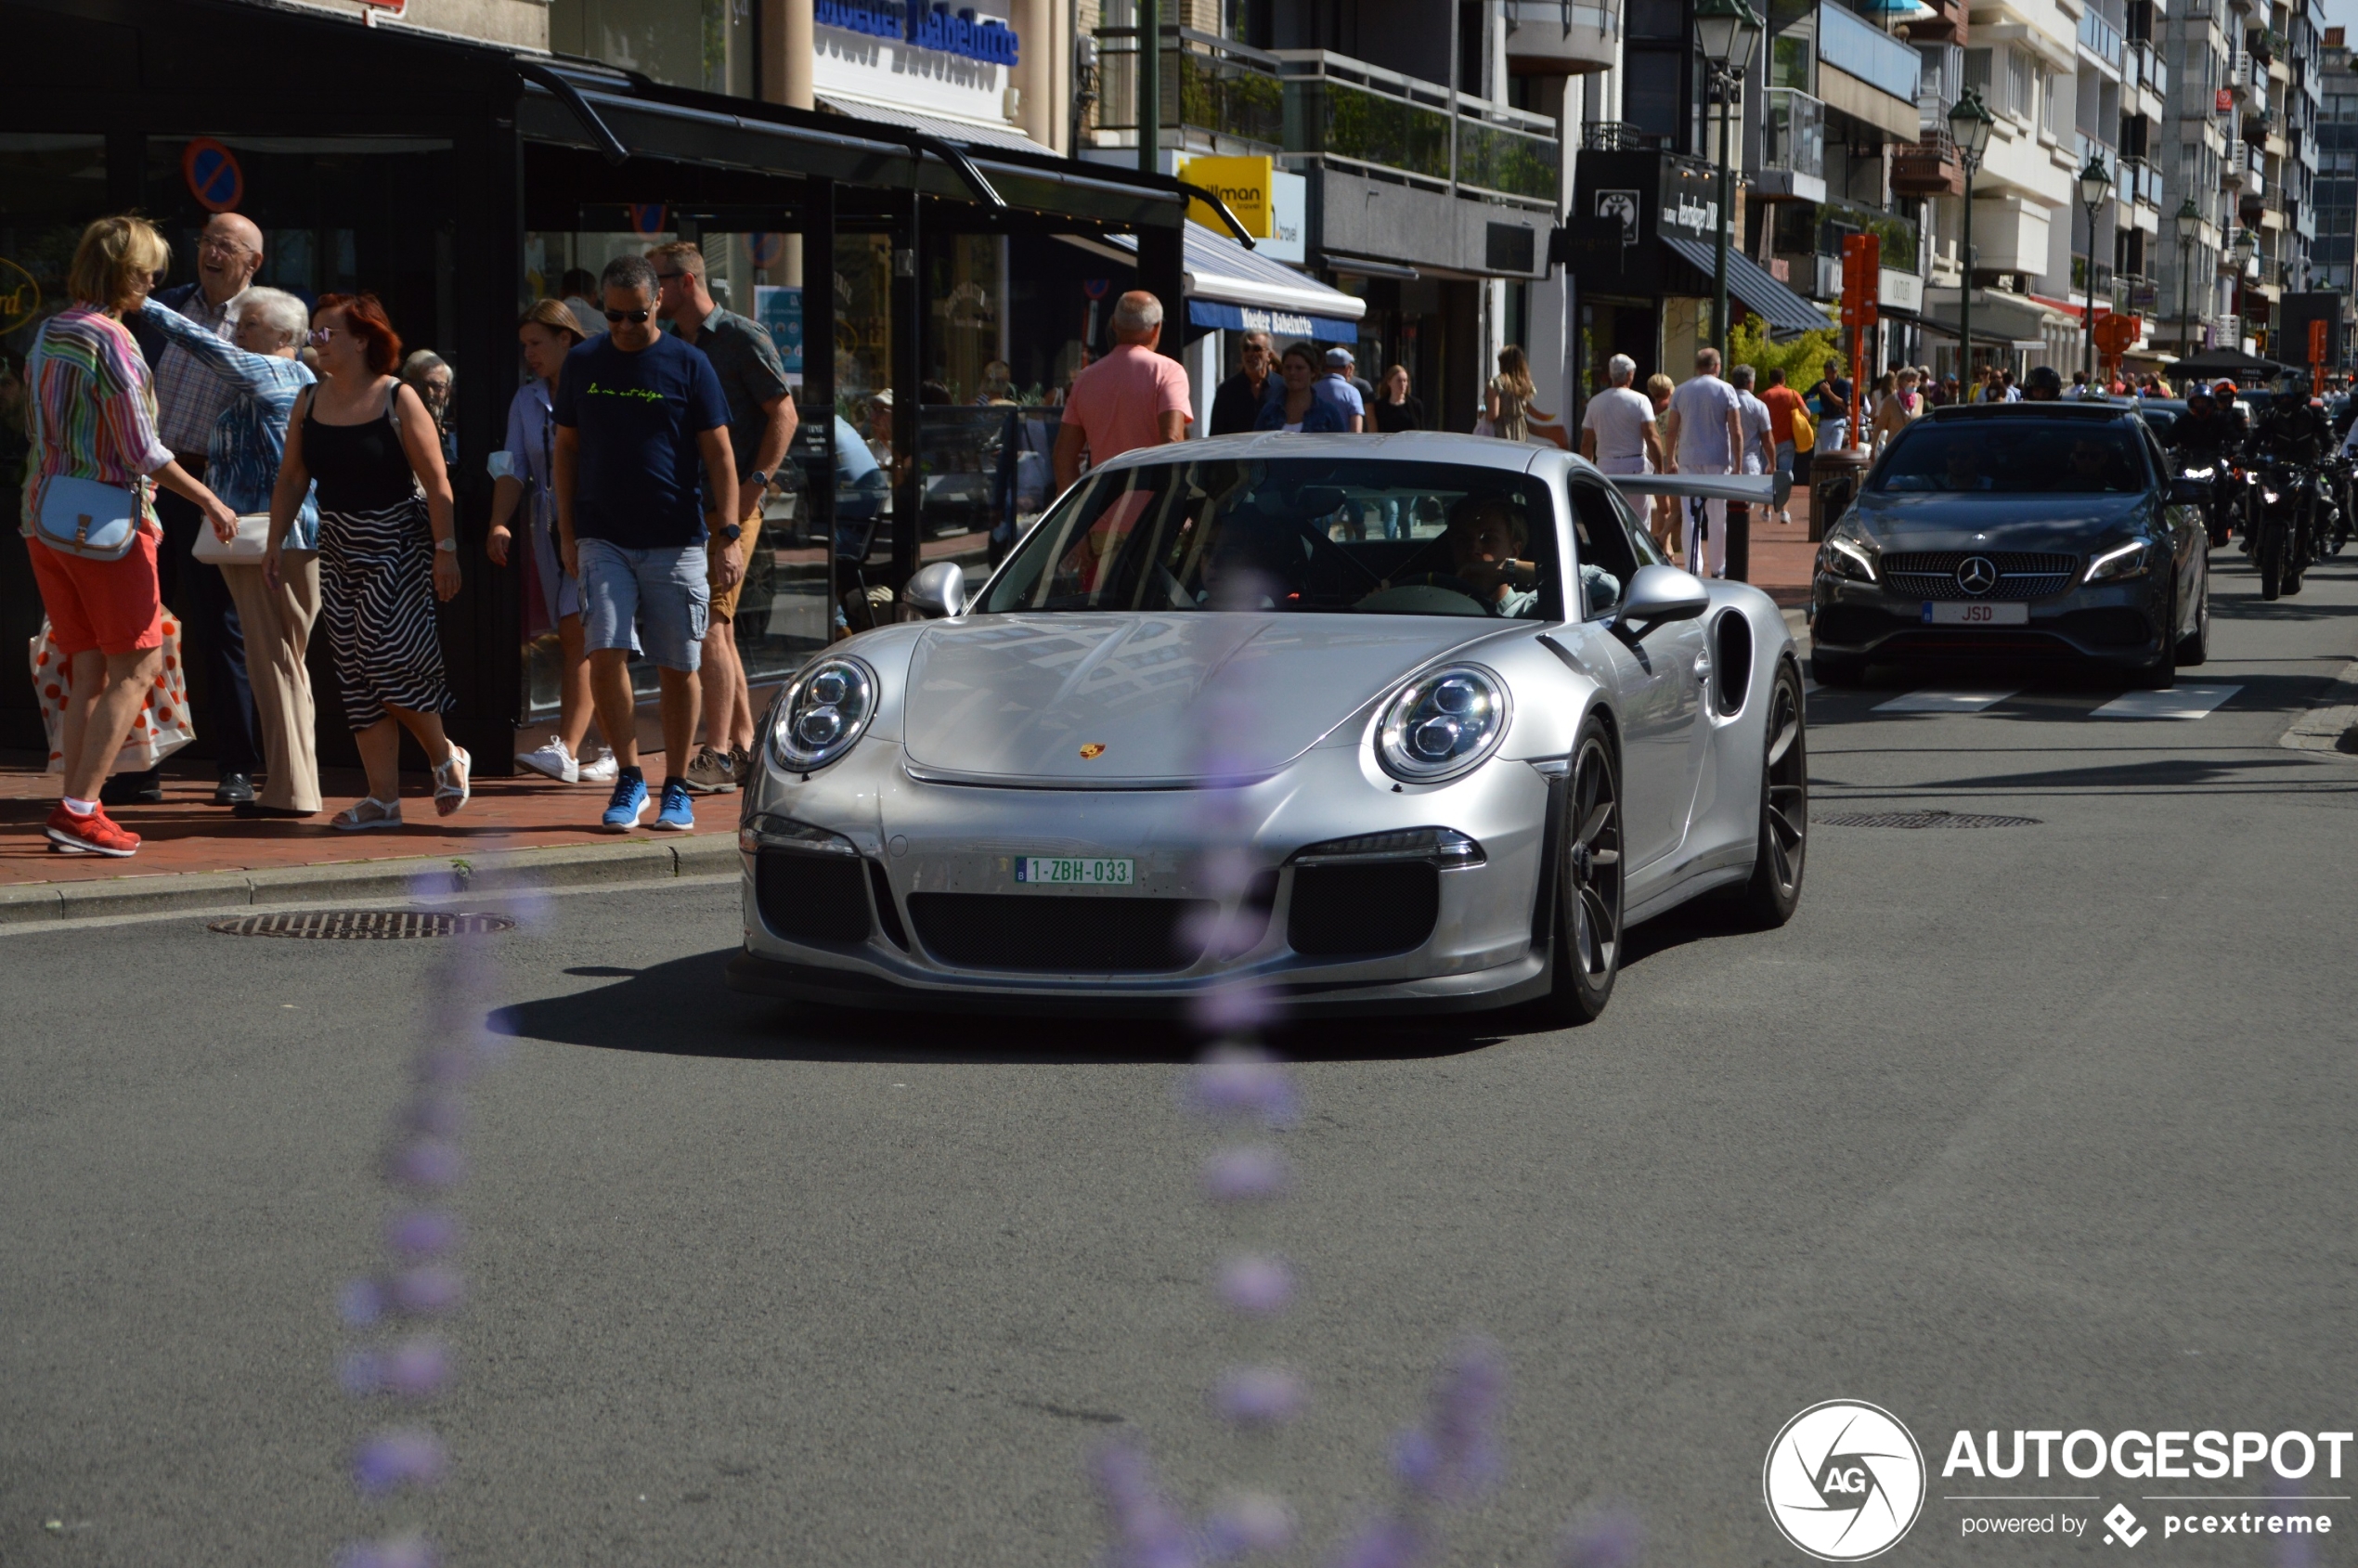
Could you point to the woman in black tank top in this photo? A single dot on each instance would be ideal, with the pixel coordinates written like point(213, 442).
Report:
point(387, 551)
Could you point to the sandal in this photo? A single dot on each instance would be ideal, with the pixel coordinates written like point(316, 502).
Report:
point(365, 814)
point(449, 796)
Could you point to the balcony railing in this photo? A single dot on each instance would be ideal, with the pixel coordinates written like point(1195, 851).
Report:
point(1929, 166)
point(1613, 136)
point(1797, 133)
point(2083, 145)
point(1346, 111)
point(1867, 52)
point(1210, 84)
point(2144, 67)
point(2101, 37)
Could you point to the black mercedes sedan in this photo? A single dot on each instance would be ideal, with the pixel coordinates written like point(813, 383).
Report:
point(2024, 531)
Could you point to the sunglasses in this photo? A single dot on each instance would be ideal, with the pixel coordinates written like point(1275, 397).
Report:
point(669, 276)
point(321, 334)
point(633, 316)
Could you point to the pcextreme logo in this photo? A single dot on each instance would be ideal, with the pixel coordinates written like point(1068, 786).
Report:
point(1844, 1481)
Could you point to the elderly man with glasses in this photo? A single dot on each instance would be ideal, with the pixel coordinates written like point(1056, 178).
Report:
point(190, 397)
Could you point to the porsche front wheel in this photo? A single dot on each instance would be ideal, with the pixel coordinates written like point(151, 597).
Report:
point(1589, 880)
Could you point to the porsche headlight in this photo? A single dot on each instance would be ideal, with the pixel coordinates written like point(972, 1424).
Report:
point(2128, 561)
point(823, 713)
point(1443, 723)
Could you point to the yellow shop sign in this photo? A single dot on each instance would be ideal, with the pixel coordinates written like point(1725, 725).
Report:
point(1248, 185)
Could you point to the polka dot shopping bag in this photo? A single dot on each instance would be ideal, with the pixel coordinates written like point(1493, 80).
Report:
point(162, 727)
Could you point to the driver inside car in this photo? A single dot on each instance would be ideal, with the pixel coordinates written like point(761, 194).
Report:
point(1486, 541)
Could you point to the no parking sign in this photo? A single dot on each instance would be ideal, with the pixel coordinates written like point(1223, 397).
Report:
point(214, 176)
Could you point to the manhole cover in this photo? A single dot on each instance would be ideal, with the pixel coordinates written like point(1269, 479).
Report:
point(364, 925)
point(1923, 819)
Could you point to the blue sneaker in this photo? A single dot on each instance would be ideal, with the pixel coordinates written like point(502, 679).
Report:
point(677, 815)
point(630, 802)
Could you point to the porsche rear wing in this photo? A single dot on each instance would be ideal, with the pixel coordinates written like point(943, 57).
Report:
point(1755, 489)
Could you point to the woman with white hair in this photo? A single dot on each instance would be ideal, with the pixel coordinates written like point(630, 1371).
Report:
point(241, 465)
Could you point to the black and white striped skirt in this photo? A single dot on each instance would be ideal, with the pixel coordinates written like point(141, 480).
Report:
point(376, 598)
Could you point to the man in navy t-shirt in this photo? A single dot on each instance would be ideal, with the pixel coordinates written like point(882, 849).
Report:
point(635, 412)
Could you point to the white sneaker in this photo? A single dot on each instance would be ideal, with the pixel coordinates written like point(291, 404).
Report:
point(554, 760)
point(603, 771)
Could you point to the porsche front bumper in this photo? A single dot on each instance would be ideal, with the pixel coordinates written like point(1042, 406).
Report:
point(914, 902)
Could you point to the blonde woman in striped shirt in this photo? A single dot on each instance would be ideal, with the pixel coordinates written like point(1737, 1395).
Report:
point(96, 414)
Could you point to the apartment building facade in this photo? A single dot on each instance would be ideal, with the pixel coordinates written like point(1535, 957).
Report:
point(2332, 253)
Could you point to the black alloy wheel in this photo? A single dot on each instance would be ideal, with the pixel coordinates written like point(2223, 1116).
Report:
point(1588, 881)
point(1774, 892)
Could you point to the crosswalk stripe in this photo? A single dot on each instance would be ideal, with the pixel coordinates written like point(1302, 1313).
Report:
point(1943, 702)
point(2183, 702)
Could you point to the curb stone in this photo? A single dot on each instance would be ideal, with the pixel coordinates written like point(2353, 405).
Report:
point(573, 865)
point(2332, 725)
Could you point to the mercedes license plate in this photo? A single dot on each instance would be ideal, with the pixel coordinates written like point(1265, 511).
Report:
point(1073, 872)
point(1953, 612)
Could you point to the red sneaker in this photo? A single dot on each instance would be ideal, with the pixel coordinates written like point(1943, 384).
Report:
point(93, 835)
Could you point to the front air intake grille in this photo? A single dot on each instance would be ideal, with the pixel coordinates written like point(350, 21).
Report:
point(2021, 574)
point(1362, 910)
point(1051, 934)
point(812, 898)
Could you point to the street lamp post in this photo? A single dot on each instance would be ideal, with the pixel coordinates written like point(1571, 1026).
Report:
point(1728, 31)
point(2189, 224)
point(2247, 242)
point(1969, 122)
point(2095, 184)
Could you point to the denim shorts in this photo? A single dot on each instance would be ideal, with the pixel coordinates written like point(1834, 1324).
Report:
point(664, 592)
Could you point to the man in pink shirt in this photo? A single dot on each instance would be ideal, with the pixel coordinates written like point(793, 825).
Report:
point(1132, 398)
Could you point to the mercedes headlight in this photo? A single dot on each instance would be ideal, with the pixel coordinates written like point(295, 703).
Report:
point(1443, 723)
point(2113, 566)
point(823, 713)
point(1841, 558)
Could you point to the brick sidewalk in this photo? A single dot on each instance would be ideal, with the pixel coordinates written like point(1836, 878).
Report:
point(188, 833)
point(1783, 558)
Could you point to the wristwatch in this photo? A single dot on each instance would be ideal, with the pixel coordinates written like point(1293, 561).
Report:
point(733, 533)
point(758, 479)
point(448, 546)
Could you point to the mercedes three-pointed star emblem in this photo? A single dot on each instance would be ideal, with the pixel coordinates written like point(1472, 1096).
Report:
point(1977, 575)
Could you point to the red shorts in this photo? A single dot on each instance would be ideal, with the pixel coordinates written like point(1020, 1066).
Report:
point(113, 606)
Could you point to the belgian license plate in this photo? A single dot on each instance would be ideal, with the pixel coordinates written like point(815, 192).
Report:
point(1953, 613)
point(1075, 871)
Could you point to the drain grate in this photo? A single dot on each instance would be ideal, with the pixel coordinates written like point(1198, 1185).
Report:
point(362, 924)
point(1923, 819)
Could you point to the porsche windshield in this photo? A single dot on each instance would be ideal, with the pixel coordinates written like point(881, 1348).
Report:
point(1293, 535)
point(2014, 457)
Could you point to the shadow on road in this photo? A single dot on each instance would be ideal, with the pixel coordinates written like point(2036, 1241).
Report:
point(685, 1009)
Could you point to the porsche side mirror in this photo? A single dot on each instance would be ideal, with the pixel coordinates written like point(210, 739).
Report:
point(2189, 492)
point(938, 591)
point(1658, 595)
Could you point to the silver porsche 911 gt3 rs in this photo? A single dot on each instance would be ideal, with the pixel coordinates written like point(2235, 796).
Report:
point(1372, 724)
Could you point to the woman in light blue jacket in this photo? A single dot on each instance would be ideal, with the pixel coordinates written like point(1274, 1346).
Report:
point(241, 467)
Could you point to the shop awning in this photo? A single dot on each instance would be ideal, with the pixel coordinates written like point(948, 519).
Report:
point(1779, 306)
point(973, 133)
point(1999, 318)
point(1229, 286)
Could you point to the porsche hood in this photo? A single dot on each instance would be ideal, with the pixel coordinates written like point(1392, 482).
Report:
point(1096, 700)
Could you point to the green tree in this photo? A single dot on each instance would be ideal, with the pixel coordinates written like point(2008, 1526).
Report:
point(1800, 357)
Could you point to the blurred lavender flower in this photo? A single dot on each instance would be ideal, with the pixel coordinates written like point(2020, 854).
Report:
point(426, 1162)
point(1611, 1540)
point(1455, 1453)
point(1233, 1009)
point(418, 1369)
point(422, 1232)
point(1249, 1174)
point(361, 1303)
point(1246, 1084)
point(397, 1551)
point(1148, 1532)
point(1257, 1285)
point(1260, 1395)
point(427, 1291)
point(1247, 1521)
point(395, 1459)
point(1390, 1541)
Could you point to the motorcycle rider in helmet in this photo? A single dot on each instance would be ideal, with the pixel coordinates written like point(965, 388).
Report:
point(2290, 430)
point(2044, 384)
point(2209, 436)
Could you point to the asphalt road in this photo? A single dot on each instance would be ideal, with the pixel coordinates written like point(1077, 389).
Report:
point(2040, 1127)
